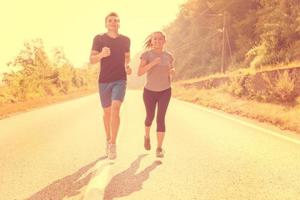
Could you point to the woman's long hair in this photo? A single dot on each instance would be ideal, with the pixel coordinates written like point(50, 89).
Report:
point(147, 44)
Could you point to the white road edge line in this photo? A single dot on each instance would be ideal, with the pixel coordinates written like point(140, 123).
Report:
point(241, 122)
point(96, 187)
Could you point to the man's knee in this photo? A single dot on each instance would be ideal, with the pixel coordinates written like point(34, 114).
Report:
point(115, 108)
point(107, 112)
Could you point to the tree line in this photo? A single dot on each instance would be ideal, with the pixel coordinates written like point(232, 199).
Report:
point(224, 35)
point(36, 74)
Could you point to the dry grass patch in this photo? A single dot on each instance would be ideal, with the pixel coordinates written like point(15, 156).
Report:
point(8, 109)
point(284, 117)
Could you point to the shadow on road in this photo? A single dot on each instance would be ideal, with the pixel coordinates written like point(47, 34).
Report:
point(67, 186)
point(127, 182)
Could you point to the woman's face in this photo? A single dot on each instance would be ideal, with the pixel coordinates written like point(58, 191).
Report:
point(157, 41)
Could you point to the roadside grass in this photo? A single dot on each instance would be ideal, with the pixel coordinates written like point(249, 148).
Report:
point(281, 115)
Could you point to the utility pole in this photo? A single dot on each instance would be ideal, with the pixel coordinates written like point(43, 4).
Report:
point(229, 46)
point(223, 43)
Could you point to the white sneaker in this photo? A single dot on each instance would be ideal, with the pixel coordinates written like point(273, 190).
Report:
point(112, 153)
point(160, 153)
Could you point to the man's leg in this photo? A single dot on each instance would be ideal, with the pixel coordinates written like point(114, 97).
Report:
point(105, 96)
point(107, 122)
point(118, 93)
point(115, 120)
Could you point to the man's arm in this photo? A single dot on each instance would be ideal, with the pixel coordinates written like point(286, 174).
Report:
point(127, 61)
point(127, 58)
point(96, 56)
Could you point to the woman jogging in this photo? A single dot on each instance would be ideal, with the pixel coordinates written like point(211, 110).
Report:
point(158, 65)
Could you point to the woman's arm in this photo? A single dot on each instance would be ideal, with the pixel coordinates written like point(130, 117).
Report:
point(171, 69)
point(144, 67)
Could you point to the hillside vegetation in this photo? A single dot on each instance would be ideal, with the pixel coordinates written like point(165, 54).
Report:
point(36, 74)
point(225, 35)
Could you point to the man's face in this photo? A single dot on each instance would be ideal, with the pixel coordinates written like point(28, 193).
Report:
point(112, 23)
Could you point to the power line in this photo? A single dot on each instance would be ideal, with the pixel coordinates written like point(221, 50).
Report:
point(192, 42)
point(225, 36)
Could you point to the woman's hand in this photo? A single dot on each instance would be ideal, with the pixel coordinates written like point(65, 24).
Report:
point(144, 67)
point(172, 71)
point(156, 61)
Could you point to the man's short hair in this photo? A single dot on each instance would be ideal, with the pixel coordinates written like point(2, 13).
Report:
point(111, 14)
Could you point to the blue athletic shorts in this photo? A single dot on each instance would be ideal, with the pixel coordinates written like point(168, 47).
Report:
point(112, 91)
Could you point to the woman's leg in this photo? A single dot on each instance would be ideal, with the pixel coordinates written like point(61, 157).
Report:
point(163, 102)
point(150, 104)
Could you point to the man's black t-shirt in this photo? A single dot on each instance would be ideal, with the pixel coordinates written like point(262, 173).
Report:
point(113, 66)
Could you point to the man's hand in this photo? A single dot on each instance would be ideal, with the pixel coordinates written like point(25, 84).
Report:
point(105, 52)
point(128, 70)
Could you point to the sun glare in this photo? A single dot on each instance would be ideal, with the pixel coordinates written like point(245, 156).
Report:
point(73, 24)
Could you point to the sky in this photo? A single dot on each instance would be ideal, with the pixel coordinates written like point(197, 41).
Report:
point(72, 25)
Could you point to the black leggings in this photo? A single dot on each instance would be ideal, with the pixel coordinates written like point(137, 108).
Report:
point(162, 99)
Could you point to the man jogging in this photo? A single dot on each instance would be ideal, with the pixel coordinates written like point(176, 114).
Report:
point(112, 50)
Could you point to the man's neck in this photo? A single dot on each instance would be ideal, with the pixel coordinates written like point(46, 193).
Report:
point(112, 34)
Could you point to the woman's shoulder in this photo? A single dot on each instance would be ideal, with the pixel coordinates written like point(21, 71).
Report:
point(146, 53)
point(170, 55)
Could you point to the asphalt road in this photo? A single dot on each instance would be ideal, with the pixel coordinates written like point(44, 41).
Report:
point(56, 152)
